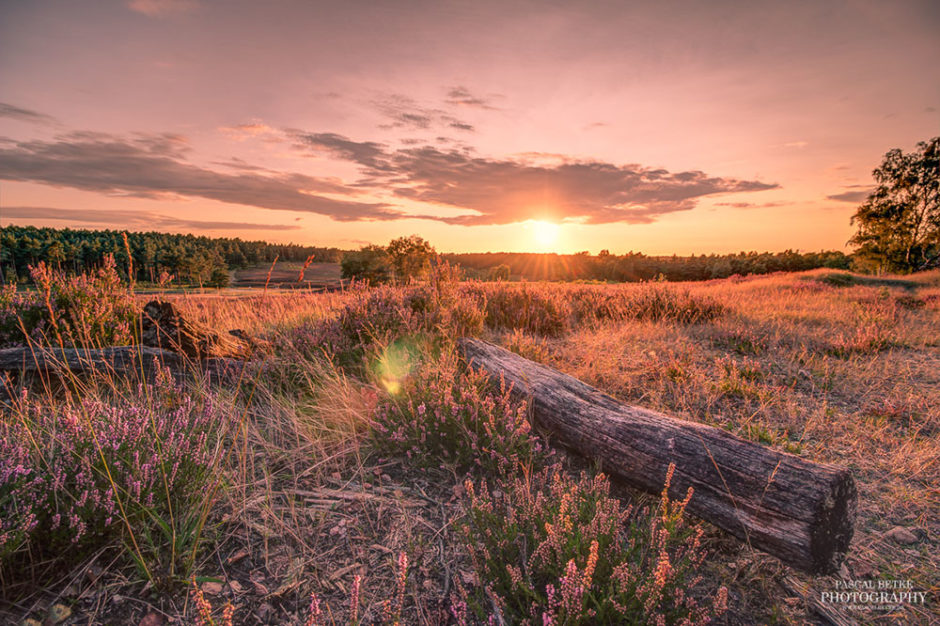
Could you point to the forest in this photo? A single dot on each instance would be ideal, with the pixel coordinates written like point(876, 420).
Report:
point(191, 258)
point(199, 260)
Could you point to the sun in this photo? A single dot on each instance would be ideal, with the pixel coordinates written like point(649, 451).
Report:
point(545, 233)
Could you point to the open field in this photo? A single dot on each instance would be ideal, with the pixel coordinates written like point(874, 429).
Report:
point(335, 463)
point(287, 275)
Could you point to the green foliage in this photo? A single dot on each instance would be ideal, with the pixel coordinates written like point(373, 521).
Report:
point(899, 224)
point(185, 256)
point(403, 260)
point(370, 264)
point(410, 258)
point(219, 278)
point(551, 550)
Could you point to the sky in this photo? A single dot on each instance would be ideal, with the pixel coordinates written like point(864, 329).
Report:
point(658, 127)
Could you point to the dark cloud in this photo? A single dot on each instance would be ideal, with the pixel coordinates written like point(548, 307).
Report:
point(26, 115)
point(461, 96)
point(506, 191)
point(750, 205)
point(503, 191)
point(131, 219)
point(151, 167)
point(366, 153)
point(162, 8)
point(852, 196)
point(404, 112)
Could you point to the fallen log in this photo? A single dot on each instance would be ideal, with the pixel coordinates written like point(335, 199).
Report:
point(113, 360)
point(163, 326)
point(799, 511)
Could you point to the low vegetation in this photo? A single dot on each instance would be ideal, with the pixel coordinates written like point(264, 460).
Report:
point(359, 472)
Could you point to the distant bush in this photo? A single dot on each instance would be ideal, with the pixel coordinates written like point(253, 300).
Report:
point(371, 265)
point(88, 310)
point(838, 279)
point(219, 278)
point(446, 414)
point(500, 272)
point(547, 549)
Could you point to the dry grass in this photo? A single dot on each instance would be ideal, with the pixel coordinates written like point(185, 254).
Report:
point(840, 370)
point(847, 375)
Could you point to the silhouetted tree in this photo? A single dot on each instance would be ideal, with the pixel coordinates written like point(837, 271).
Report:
point(500, 272)
point(371, 264)
point(410, 257)
point(899, 223)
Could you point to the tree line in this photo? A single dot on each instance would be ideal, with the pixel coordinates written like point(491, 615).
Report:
point(635, 266)
point(174, 257)
point(161, 257)
point(408, 258)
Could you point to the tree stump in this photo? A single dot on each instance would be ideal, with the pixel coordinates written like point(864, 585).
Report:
point(163, 326)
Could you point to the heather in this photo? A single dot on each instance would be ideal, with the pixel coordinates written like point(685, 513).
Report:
point(551, 549)
point(80, 475)
point(449, 414)
point(345, 447)
point(92, 310)
point(374, 318)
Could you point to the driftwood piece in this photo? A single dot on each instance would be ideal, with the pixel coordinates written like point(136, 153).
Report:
point(163, 326)
point(799, 511)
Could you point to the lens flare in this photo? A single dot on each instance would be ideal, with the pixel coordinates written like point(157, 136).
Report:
point(394, 365)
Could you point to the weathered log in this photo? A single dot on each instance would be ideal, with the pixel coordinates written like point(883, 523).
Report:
point(163, 326)
point(799, 511)
point(122, 360)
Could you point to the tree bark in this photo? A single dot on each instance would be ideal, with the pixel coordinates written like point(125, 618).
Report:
point(117, 360)
point(799, 511)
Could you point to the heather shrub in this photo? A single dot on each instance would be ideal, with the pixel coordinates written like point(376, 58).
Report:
point(378, 317)
point(548, 549)
point(444, 413)
point(532, 308)
point(653, 302)
point(531, 347)
point(75, 477)
point(89, 310)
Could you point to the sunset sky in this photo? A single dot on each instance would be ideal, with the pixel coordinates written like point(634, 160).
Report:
point(661, 127)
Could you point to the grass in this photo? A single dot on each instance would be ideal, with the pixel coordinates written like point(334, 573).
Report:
point(330, 483)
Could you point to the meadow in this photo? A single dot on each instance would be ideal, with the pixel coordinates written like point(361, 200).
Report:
point(355, 471)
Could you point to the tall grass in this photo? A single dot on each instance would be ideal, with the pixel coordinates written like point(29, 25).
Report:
point(115, 469)
point(321, 451)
